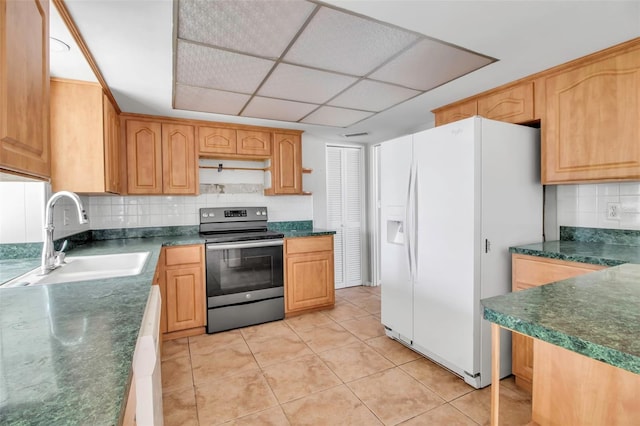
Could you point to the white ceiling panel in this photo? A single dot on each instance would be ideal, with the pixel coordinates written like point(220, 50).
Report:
point(204, 66)
point(276, 109)
point(209, 100)
point(262, 28)
point(347, 43)
point(373, 96)
point(304, 84)
point(336, 117)
point(429, 64)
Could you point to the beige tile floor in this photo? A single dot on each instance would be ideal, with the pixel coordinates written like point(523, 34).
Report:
point(334, 367)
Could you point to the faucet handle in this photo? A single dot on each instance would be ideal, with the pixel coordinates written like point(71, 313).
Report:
point(65, 243)
point(58, 259)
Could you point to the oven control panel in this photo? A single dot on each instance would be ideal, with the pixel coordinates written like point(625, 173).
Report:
point(222, 214)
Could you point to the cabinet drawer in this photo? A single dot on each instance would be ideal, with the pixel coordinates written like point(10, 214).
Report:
point(183, 255)
point(309, 244)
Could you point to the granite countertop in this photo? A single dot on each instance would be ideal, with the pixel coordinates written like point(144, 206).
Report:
point(597, 253)
point(597, 314)
point(67, 348)
point(295, 233)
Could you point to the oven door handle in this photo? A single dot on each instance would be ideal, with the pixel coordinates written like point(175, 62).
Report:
point(249, 244)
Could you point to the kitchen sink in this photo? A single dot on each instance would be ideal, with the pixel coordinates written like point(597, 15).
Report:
point(84, 268)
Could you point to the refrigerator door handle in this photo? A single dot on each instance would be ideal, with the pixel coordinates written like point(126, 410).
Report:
point(407, 227)
point(414, 221)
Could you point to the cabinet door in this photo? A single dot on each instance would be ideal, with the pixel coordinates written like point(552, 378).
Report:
point(77, 136)
point(457, 112)
point(254, 143)
point(216, 140)
point(178, 159)
point(513, 105)
point(111, 147)
point(24, 87)
point(286, 173)
point(185, 298)
point(527, 272)
point(309, 281)
point(144, 157)
point(590, 125)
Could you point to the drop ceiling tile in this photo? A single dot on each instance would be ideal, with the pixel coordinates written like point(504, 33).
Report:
point(373, 96)
point(429, 64)
point(337, 117)
point(204, 66)
point(277, 109)
point(346, 43)
point(262, 28)
point(209, 100)
point(304, 84)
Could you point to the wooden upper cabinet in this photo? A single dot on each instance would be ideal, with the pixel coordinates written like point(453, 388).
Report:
point(179, 171)
point(24, 87)
point(591, 130)
point(85, 138)
point(254, 143)
point(111, 147)
point(286, 164)
point(513, 105)
point(144, 157)
point(216, 140)
point(161, 158)
point(229, 142)
point(456, 112)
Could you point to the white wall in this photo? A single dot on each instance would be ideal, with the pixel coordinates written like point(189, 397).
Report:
point(585, 205)
point(22, 213)
point(314, 156)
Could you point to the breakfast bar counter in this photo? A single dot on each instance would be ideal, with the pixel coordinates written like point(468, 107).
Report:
point(587, 341)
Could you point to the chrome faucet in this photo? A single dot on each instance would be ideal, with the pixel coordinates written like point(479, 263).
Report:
point(51, 259)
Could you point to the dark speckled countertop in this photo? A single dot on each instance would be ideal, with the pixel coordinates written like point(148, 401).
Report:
point(597, 314)
point(66, 349)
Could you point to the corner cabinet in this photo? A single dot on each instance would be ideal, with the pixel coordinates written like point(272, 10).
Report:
point(183, 291)
point(24, 87)
point(161, 158)
point(532, 271)
point(591, 130)
point(85, 138)
point(309, 274)
point(286, 165)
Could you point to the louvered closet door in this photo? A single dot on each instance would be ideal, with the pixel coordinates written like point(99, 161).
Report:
point(344, 212)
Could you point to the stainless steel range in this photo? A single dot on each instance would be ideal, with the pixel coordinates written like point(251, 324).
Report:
point(244, 264)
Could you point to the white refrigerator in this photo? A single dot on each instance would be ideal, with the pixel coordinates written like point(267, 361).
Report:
point(454, 198)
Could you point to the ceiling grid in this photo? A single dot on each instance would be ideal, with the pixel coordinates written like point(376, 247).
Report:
point(302, 61)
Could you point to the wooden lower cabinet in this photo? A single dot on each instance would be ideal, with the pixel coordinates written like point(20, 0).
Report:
point(309, 275)
point(183, 291)
point(532, 271)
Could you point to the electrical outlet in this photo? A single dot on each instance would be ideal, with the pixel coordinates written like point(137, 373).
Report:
point(65, 217)
point(613, 211)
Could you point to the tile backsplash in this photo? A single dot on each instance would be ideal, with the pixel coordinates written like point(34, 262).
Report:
point(585, 205)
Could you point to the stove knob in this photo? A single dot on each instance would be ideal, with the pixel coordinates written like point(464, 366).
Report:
point(205, 214)
point(264, 212)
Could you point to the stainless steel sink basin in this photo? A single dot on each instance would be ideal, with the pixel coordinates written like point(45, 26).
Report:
point(83, 268)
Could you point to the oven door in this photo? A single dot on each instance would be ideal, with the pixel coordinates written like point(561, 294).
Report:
point(244, 267)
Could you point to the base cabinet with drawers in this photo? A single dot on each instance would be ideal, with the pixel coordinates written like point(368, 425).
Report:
point(309, 275)
point(182, 285)
point(532, 271)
